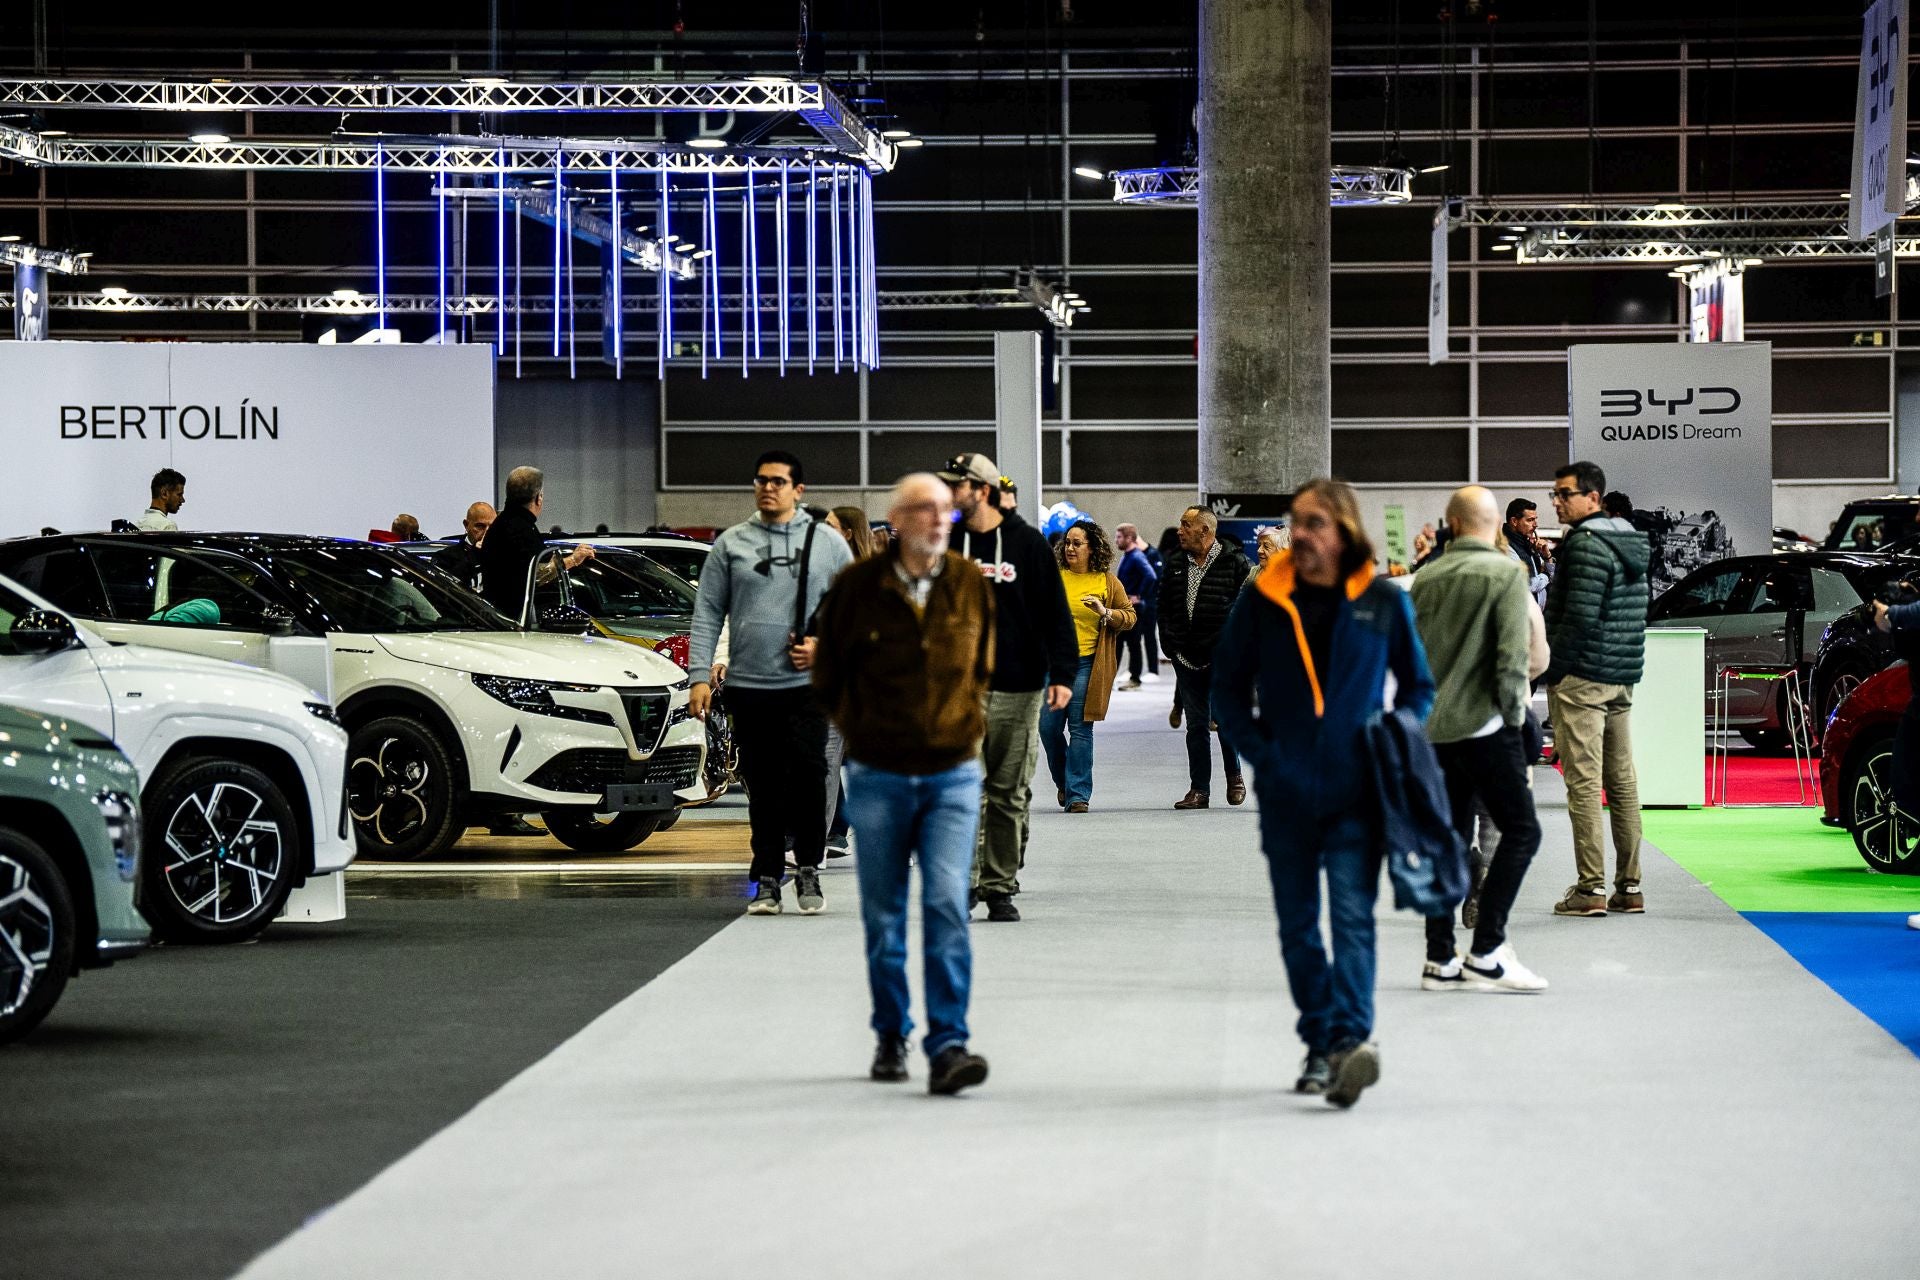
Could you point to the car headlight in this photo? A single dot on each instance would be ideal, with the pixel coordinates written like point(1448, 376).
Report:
point(536, 696)
point(322, 711)
point(679, 715)
point(121, 814)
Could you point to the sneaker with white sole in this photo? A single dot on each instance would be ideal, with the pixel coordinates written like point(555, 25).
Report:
point(766, 897)
point(1501, 971)
point(1435, 976)
point(806, 891)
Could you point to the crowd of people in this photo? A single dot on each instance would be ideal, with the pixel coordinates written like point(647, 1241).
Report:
point(931, 661)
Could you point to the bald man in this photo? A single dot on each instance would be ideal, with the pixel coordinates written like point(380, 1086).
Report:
point(1470, 603)
point(462, 559)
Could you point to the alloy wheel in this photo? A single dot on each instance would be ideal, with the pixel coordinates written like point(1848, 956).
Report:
point(386, 791)
point(225, 853)
point(27, 935)
point(1884, 832)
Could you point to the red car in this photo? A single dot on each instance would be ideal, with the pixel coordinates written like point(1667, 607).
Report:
point(1856, 773)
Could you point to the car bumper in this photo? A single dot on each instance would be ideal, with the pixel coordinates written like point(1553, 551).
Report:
point(333, 844)
point(524, 762)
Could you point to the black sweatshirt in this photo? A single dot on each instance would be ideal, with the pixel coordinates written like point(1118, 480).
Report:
point(1034, 639)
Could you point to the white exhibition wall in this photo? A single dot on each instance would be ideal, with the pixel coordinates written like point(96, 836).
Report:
point(271, 438)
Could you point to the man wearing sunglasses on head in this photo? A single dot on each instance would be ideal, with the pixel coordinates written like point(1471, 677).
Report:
point(764, 579)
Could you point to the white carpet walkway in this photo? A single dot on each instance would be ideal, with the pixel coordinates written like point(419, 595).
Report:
point(1686, 1100)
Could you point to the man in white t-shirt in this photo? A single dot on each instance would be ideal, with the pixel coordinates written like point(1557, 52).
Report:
point(169, 495)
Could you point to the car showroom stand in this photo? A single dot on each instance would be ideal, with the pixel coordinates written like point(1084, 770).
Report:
point(1670, 719)
point(321, 900)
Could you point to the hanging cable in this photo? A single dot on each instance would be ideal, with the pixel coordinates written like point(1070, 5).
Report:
point(1593, 93)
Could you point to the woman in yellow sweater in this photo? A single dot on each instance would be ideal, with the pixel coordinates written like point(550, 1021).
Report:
point(1101, 611)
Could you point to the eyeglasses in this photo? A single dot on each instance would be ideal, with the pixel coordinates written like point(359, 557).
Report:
point(771, 482)
point(1565, 495)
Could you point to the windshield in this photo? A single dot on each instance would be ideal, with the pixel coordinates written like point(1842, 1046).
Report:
point(684, 563)
point(629, 586)
point(371, 589)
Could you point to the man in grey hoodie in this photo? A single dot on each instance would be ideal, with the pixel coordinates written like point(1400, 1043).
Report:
point(1597, 625)
point(763, 579)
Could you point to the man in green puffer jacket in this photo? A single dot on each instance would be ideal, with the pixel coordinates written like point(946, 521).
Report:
point(1596, 626)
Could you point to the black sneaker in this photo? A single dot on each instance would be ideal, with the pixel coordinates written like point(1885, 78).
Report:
point(766, 897)
point(955, 1069)
point(806, 888)
point(1316, 1074)
point(1353, 1070)
point(890, 1059)
point(1000, 908)
point(973, 897)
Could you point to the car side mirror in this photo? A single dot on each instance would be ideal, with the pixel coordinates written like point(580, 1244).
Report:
point(277, 621)
point(41, 631)
point(566, 618)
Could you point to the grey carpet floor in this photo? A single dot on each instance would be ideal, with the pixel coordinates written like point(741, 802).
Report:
point(1685, 1101)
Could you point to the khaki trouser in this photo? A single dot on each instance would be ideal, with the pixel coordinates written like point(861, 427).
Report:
point(1591, 734)
point(1008, 755)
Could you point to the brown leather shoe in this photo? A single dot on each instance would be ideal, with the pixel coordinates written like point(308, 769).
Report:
point(1078, 806)
point(1062, 802)
point(1236, 789)
point(1192, 800)
point(1173, 716)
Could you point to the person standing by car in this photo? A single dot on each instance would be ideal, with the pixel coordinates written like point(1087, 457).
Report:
point(514, 540)
point(906, 648)
point(1142, 581)
point(1198, 588)
point(1597, 627)
point(1298, 671)
point(763, 580)
point(1472, 606)
point(1101, 611)
point(1034, 666)
point(169, 490)
point(462, 559)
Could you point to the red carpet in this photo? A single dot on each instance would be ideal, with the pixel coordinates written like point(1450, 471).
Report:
point(1756, 779)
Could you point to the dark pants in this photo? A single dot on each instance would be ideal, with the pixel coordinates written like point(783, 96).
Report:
point(1140, 642)
point(1493, 771)
point(1195, 691)
point(1335, 998)
point(782, 734)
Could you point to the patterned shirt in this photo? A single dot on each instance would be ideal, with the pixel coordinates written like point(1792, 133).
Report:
point(1195, 574)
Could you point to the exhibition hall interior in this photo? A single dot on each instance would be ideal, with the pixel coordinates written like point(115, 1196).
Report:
point(1032, 638)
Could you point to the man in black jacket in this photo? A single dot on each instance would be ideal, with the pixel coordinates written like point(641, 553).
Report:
point(515, 539)
point(462, 559)
point(1196, 593)
point(1037, 655)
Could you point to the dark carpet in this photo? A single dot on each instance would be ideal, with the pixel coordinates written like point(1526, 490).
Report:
point(180, 1113)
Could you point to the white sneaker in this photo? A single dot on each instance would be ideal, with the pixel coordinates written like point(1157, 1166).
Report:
point(1501, 971)
point(1151, 677)
point(1442, 977)
point(1913, 922)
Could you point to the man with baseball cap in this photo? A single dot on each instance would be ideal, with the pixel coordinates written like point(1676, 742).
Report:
point(1036, 659)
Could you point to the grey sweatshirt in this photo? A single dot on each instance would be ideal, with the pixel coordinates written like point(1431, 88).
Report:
point(760, 606)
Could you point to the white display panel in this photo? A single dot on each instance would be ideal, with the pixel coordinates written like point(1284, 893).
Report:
point(272, 438)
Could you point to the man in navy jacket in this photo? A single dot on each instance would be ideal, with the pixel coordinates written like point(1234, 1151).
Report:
point(1310, 645)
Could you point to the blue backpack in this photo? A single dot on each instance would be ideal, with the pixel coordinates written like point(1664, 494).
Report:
point(1425, 856)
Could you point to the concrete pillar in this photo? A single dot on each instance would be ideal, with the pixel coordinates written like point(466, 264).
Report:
point(1265, 146)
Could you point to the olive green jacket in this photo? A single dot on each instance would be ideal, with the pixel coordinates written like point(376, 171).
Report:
point(1470, 603)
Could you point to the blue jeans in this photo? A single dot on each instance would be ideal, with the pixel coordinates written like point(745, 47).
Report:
point(937, 816)
point(1335, 1002)
point(1068, 739)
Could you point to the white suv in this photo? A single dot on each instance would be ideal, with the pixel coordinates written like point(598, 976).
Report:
point(242, 773)
point(454, 712)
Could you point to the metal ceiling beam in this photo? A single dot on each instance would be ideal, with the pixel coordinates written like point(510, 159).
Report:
point(1347, 184)
point(839, 127)
point(32, 255)
point(585, 224)
point(994, 299)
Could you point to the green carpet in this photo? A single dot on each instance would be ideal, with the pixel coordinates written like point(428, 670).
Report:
point(1776, 860)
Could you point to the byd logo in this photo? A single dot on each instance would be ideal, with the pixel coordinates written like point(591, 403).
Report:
point(1624, 402)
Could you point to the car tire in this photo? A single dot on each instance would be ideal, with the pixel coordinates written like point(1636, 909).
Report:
point(36, 916)
point(401, 791)
point(667, 823)
point(223, 851)
point(1844, 682)
point(1886, 838)
point(585, 831)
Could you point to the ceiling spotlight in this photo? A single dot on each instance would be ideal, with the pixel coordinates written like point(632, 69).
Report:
point(486, 82)
point(686, 246)
point(911, 142)
point(9, 239)
point(704, 253)
point(768, 80)
point(1436, 168)
point(1752, 262)
point(671, 237)
point(1678, 275)
point(1503, 247)
point(346, 295)
point(896, 134)
point(208, 139)
point(1087, 171)
point(53, 133)
point(113, 291)
point(707, 144)
point(1668, 208)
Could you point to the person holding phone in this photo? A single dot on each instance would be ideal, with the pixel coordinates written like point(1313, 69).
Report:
point(1101, 611)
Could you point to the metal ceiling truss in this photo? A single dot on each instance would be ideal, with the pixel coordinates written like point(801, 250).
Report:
point(32, 255)
point(1347, 185)
point(485, 304)
point(839, 128)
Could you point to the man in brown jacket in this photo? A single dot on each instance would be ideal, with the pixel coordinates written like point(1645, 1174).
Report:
point(905, 651)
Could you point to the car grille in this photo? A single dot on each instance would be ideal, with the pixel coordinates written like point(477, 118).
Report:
point(647, 713)
point(592, 770)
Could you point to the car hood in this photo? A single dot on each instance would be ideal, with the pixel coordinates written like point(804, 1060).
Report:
point(140, 659)
point(535, 656)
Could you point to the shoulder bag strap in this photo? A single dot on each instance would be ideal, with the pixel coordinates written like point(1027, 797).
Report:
point(800, 597)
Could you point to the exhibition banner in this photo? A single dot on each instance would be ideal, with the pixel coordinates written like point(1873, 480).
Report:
point(1879, 192)
point(29, 302)
point(1717, 294)
point(1686, 431)
point(1437, 290)
point(277, 438)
